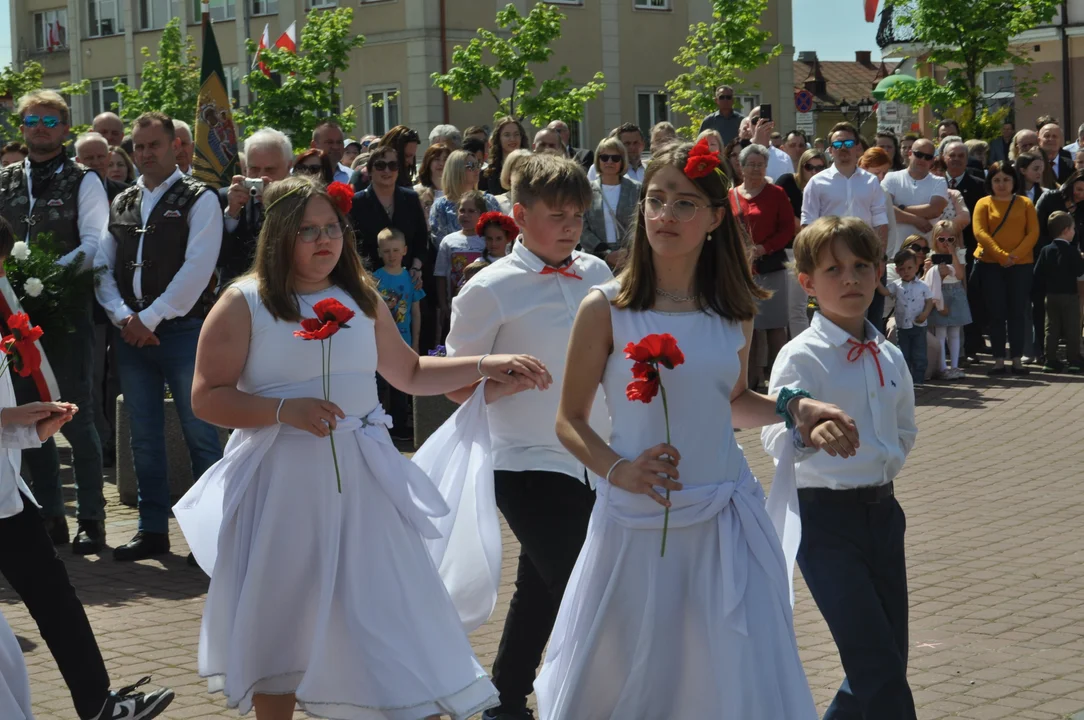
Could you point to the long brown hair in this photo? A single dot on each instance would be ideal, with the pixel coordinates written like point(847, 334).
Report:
point(399, 137)
point(496, 152)
point(425, 175)
point(723, 280)
point(286, 201)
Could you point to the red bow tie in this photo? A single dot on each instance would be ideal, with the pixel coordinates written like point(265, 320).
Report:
point(858, 348)
point(563, 270)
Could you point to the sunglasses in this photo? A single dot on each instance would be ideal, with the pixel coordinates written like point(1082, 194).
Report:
point(813, 167)
point(922, 156)
point(470, 165)
point(49, 121)
point(382, 165)
point(308, 169)
point(918, 248)
point(609, 158)
point(724, 97)
point(838, 144)
point(946, 240)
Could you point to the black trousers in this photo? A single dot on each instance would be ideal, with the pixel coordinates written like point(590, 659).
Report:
point(33, 569)
point(548, 512)
point(852, 560)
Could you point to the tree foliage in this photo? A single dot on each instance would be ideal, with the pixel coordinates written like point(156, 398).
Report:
point(16, 83)
point(170, 84)
point(964, 37)
point(718, 53)
point(308, 79)
point(492, 61)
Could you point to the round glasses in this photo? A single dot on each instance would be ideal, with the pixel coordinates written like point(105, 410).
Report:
point(680, 210)
point(312, 233)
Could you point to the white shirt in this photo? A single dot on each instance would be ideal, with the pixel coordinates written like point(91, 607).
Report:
point(817, 361)
point(93, 215)
point(200, 258)
point(611, 195)
point(12, 440)
point(829, 192)
point(910, 300)
point(633, 173)
point(1072, 148)
point(342, 173)
point(513, 308)
point(905, 190)
point(779, 163)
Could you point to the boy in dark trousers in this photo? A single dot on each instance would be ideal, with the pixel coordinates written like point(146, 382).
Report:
point(1056, 271)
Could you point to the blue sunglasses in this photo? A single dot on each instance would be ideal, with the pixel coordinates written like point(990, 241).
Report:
point(837, 144)
point(49, 121)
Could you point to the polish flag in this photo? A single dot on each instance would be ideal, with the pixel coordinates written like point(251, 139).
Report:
point(265, 39)
point(288, 40)
point(871, 10)
point(54, 35)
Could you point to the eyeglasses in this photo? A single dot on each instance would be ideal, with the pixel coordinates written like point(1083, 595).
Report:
point(49, 121)
point(922, 156)
point(312, 233)
point(918, 248)
point(308, 169)
point(837, 144)
point(609, 158)
point(382, 165)
point(470, 165)
point(681, 210)
point(813, 167)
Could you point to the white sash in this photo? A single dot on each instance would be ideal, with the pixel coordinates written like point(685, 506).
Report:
point(782, 508)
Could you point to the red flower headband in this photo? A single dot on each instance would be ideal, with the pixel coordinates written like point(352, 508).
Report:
point(702, 161)
point(507, 224)
point(342, 195)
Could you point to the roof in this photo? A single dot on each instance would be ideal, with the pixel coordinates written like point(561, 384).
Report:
point(846, 80)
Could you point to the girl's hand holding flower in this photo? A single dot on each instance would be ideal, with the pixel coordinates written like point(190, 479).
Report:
point(655, 468)
point(312, 415)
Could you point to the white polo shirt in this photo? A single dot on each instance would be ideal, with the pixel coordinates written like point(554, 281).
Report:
point(511, 307)
point(819, 360)
point(905, 190)
point(831, 193)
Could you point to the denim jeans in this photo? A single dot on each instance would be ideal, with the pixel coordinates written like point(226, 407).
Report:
point(143, 375)
point(71, 356)
point(913, 346)
point(1006, 292)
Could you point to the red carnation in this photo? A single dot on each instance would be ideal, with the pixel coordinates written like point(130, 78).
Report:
point(342, 195)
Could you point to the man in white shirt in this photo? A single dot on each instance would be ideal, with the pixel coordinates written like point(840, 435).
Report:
point(779, 162)
point(918, 195)
point(529, 300)
point(186, 147)
point(328, 136)
point(633, 140)
point(1073, 147)
point(158, 296)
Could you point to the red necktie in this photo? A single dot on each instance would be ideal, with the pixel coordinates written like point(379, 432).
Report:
point(857, 349)
point(563, 270)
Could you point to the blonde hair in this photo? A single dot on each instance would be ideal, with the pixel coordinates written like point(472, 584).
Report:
point(389, 234)
point(512, 164)
point(555, 181)
point(715, 134)
point(46, 98)
point(454, 176)
point(944, 227)
point(615, 145)
point(818, 237)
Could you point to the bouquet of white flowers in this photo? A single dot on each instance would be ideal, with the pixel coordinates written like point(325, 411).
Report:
point(49, 293)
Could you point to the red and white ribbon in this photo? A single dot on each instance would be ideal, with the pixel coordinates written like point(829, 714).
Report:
point(43, 377)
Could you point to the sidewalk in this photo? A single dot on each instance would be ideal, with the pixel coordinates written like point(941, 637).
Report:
point(995, 550)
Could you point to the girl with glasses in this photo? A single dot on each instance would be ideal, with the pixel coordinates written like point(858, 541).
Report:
point(611, 218)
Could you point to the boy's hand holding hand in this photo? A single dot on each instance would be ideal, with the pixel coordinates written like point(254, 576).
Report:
point(47, 427)
point(834, 439)
point(31, 413)
point(825, 427)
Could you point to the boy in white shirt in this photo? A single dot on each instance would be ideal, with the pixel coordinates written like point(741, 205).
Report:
point(528, 300)
point(914, 303)
point(851, 552)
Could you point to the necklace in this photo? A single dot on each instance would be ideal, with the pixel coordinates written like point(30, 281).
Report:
point(675, 298)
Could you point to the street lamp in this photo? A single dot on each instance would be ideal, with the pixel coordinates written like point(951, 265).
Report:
point(844, 108)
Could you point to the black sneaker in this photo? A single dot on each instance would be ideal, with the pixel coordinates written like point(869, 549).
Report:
point(127, 704)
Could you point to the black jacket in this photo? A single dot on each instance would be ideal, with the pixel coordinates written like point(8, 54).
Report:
point(585, 157)
point(114, 188)
point(973, 189)
point(1058, 267)
point(239, 247)
point(368, 218)
point(1065, 166)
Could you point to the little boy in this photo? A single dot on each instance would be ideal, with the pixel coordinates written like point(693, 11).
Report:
point(914, 303)
point(404, 301)
point(458, 250)
point(1056, 271)
point(528, 301)
point(851, 552)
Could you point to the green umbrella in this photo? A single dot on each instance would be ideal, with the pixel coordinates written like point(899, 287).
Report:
point(881, 91)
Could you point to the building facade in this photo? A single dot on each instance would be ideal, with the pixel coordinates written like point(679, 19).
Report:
point(633, 42)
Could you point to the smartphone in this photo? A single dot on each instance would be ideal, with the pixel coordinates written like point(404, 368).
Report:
point(766, 112)
point(255, 186)
point(941, 258)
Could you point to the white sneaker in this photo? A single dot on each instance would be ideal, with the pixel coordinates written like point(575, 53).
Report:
point(126, 704)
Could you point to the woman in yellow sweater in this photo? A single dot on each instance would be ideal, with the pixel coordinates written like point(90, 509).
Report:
point(1006, 229)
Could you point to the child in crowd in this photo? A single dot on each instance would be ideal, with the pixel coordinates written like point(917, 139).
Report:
point(404, 301)
point(529, 300)
point(458, 250)
point(1056, 271)
point(914, 302)
point(426, 197)
point(945, 279)
point(499, 232)
point(852, 547)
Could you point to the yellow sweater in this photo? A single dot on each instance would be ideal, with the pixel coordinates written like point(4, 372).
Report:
point(1016, 237)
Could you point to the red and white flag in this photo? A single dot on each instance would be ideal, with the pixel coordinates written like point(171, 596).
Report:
point(43, 377)
point(54, 36)
point(288, 40)
point(265, 40)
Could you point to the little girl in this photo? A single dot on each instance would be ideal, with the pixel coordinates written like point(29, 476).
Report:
point(499, 232)
point(945, 268)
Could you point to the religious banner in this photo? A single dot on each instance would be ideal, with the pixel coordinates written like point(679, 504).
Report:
point(215, 161)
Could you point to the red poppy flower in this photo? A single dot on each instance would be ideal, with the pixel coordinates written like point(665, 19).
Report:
point(331, 310)
point(343, 196)
point(661, 349)
point(699, 166)
point(20, 327)
point(24, 356)
point(313, 329)
point(643, 390)
point(701, 148)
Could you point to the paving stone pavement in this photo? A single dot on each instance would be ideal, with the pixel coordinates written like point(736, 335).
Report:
point(994, 543)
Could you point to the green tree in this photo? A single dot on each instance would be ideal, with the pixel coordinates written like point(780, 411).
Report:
point(524, 42)
point(170, 83)
point(307, 80)
point(718, 53)
point(964, 37)
point(16, 83)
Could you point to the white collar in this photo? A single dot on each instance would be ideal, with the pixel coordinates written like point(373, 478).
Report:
point(532, 261)
point(1061, 240)
point(177, 174)
point(839, 337)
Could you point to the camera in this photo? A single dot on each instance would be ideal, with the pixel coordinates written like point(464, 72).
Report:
point(941, 259)
point(255, 186)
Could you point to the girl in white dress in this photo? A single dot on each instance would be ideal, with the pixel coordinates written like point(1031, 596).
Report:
point(323, 598)
point(705, 631)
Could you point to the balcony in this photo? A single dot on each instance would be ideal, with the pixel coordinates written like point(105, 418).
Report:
point(890, 31)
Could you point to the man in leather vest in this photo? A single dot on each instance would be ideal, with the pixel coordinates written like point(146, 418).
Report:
point(159, 255)
point(48, 193)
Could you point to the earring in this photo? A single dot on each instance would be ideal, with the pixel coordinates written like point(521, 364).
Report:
point(708, 238)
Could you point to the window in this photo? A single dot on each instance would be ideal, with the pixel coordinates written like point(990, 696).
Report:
point(104, 18)
point(383, 110)
point(220, 10)
point(154, 14)
point(577, 133)
point(999, 88)
point(745, 103)
point(265, 7)
point(233, 76)
point(51, 30)
point(651, 108)
point(318, 4)
point(652, 4)
point(103, 95)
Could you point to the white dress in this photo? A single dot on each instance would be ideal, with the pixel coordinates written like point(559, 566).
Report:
point(707, 630)
point(14, 682)
point(330, 596)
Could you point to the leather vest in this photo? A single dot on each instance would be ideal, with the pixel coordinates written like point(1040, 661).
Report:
point(56, 211)
point(164, 240)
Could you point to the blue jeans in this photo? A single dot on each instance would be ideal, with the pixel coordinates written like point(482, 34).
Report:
point(143, 375)
point(852, 560)
point(913, 346)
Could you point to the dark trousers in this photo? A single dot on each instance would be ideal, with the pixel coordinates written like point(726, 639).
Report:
point(1063, 323)
point(1006, 292)
point(397, 404)
point(71, 356)
point(913, 346)
point(31, 566)
point(851, 556)
point(876, 312)
point(548, 512)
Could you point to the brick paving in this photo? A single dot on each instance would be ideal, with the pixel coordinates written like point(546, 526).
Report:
point(995, 549)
